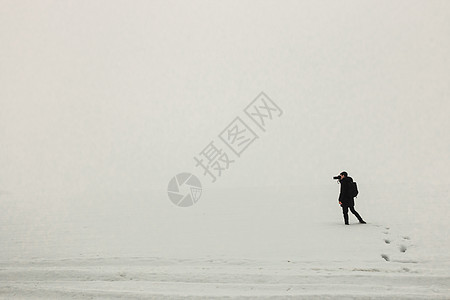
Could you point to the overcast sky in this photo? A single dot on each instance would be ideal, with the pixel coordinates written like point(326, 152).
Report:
point(120, 95)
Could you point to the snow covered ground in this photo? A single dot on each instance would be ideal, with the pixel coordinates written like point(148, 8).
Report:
point(258, 242)
point(143, 278)
point(103, 102)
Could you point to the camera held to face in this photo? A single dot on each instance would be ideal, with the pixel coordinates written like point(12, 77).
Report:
point(341, 176)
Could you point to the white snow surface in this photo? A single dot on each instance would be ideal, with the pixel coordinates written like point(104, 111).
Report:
point(102, 103)
point(269, 243)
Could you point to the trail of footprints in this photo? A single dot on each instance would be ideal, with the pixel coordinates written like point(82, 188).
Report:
point(402, 244)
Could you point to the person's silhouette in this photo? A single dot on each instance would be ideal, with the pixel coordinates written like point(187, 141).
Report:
point(346, 198)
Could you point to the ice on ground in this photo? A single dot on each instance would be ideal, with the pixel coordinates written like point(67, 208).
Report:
point(157, 278)
point(273, 243)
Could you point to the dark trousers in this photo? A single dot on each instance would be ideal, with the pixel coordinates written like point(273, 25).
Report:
point(352, 209)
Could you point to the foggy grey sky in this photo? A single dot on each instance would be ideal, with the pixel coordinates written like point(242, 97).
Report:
point(119, 95)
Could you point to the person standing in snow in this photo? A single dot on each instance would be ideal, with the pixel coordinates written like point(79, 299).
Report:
point(346, 198)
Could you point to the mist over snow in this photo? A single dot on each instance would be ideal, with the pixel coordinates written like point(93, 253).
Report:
point(102, 103)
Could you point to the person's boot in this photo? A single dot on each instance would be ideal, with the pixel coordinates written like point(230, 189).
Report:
point(362, 221)
point(346, 223)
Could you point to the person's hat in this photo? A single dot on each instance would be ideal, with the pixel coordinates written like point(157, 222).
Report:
point(344, 173)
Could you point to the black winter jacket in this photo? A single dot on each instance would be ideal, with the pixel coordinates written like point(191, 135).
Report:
point(345, 196)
